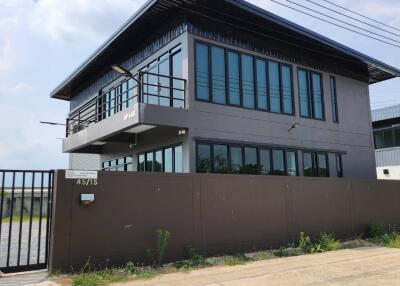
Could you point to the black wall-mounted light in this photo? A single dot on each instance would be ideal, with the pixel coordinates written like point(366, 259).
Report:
point(295, 125)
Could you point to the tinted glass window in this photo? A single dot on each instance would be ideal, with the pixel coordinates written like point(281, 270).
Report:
point(203, 158)
point(202, 72)
point(274, 87)
point(334, 99)
point(149, 162)
point(388, 138)
point(236, 160)
point(396, 137)
point(308, 168)
point(158, 161)
point(220, 158)
point(278, 162)
point(379, 142)
point(233, 78)
point(265, 162)
point(303, 93)
point(339, 166)
point(291, 163)
point(218, 75)
point(318, 111)
point(250, 159)
point(141, 163)
point(248, 81)
point(177, 84)
point(168, 161)
point(287, 89)
point(323, 165)
point(261, 74)
point(178, 159)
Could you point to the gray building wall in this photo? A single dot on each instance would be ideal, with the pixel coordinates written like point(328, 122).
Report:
point(206, 121)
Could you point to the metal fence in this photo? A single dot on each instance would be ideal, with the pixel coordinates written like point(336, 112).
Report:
point(145, 87)
point(25, 212)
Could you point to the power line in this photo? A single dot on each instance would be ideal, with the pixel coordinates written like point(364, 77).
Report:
point(355, 19)
point(344, 22)
point(376, 21)
point(332, 23)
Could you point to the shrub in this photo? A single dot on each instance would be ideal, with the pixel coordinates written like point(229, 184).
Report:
point(328, 242)
point(194, 259)
point(305, 243)
point(163, 237)
point(375, 230)
point(130, 267)
point(391, 240)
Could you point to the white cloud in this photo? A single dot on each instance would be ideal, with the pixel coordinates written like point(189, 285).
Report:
point(76, 20)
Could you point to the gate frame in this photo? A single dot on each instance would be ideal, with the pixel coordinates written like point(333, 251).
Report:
point(28, 266)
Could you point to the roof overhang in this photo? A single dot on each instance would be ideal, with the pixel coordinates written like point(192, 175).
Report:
point(154, 13)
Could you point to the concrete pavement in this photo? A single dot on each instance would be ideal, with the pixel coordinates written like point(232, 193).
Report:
point(362, 266)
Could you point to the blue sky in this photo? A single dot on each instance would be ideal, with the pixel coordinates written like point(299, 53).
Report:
point(42, 41)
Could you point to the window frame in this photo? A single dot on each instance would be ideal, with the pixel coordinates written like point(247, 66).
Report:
point(334, 99)
point(154, 151)
point(310, 94)
point(254, 58)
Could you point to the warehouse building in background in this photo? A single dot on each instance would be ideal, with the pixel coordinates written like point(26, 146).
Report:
point(386, 125)
point(223, 87)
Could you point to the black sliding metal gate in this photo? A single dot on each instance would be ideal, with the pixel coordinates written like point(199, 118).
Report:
point(25, 213)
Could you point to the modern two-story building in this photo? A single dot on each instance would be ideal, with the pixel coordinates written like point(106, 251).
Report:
point(223, 87)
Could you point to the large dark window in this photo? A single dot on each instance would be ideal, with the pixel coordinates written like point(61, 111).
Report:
point(233, 78)
point(334, 103)
point(261, 87)
point(202, 72)
point(120, 164)
point(308, 164)
point(317, 100)
point(218, 75)
point(250, 160)
point(315, 164)
point(236, 160)
point(220, 158)
point(227, 77)
point(287, 89)
point(387, 138)
point(278, 163)
point(203, 158)
point(291, 163)
point(339, 166)
point(168, 160)
point(248, 81)
point(304, 92)
point(265, 161)
point(311, 96)
point(274, 87)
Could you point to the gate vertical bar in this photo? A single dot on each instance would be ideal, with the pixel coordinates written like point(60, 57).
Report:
point(11, 218)
point(2, 195)
point(40, 219)
point(21, 213)
point(49, 206)
point(31, 218)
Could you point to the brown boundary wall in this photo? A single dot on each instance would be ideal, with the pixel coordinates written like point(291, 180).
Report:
point(214, 213)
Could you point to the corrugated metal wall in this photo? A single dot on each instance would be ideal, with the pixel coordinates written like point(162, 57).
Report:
point(387, 157)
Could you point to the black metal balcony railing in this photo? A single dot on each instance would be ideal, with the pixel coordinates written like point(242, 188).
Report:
point(149, 88)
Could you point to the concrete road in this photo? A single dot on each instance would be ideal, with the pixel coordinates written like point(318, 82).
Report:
point(362, 266)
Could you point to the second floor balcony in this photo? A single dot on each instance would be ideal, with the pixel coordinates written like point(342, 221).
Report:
point(144, 87)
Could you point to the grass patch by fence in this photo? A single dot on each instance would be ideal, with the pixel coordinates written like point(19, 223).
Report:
point(195, 260)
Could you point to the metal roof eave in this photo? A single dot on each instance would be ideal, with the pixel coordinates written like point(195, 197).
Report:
point(371, 62)
point(306, 32)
